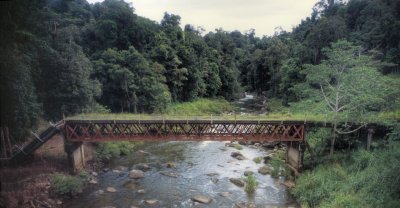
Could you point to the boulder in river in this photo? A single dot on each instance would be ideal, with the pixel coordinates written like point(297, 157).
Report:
point(141, 191)
point(130, 185)
point(288, 183)
point(202, 199)
point(136, 174)
point(170, 174)
point(238, 156)
point(248, 172)
point(151, 201)
point(93, 181)
point(264, 170)
point(245, 205)
point(225, 194)
point(267, 159)
point(142, 166)
point(111, 189)
point(211, 174)
point(237, 181)
point(121, 168)
point(170, 165)
point(270, 145)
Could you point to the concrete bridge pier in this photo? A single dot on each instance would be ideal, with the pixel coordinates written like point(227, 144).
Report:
point(295, 155)
point(76, 155)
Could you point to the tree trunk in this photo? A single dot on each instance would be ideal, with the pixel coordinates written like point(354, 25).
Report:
point(333, 138)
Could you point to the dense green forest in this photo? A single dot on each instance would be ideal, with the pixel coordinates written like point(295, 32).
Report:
point(63, 57)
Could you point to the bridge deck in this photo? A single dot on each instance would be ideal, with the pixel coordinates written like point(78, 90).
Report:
point(142, 130)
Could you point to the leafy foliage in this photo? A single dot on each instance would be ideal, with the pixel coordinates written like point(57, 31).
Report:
point(251, 184)
point(366, 179)
point(63, 184)
point(108, 150)
point(103, 57)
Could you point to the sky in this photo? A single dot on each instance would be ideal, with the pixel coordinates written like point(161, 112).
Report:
point(262, 15)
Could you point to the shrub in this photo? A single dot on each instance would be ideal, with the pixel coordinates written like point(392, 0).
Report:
point(257, 160)
point(62, 184)
point(108, 150)
point(251, 184)
point(238, 147)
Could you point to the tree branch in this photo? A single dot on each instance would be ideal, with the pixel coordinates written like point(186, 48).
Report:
point(349, 132)
point(330, 104)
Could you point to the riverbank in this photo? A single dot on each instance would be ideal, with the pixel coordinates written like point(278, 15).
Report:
point(353, 178)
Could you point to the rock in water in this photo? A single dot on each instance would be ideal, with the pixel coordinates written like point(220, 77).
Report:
point(264, 170)
point(169, 174)
point(171, 165)
point(143, 167)
point(238, 156)
point(202, 199)
point(135, 174)
point(211, 174)
point(151, 201)
point(290, 184)
point(141, 191)
point(93, 181)
point(225, 194)
point(237, 181)
point(130, 185)
point(111, 189)
point(248, 172)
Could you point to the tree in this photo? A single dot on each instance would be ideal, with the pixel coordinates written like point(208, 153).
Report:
point(348, 82)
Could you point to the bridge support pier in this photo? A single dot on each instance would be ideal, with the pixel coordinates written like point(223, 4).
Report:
point(295, 155)
point(76, 156)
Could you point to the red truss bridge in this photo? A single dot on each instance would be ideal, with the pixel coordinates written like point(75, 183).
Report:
point(182, 130)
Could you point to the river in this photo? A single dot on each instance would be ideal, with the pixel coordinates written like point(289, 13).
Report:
point(197, 168)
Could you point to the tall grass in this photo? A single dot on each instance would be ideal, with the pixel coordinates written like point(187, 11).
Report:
point(251, 184)
point(362, 179)
point(200, 107)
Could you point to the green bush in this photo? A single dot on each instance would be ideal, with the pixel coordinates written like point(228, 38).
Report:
point(108, 150)
point(257, 160)
point(238, 147)
point(251, 184)
point(62, 184)
point(279, 167)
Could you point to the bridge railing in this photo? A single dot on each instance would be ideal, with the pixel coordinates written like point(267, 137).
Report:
point(211, 117)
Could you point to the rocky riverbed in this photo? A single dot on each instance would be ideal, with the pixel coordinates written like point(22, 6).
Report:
point(185, 174)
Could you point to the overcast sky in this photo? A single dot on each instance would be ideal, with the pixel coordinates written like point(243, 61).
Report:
point(262, 15)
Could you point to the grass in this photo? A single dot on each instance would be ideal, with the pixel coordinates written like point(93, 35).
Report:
point(360, 179)
point(200, 107)
point(251, 184)
point(219, 109)
point(238, 147)
point(257, 160)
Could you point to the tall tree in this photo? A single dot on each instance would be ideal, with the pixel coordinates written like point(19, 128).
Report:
point(348, 83)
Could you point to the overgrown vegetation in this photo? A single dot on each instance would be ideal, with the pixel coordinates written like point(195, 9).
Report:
point(357, 178)
point(108, 150)
point(251, 184)
point(238, 147)
point(257, 160)
point(279, 166)
point(62, 184)
point(200, 107)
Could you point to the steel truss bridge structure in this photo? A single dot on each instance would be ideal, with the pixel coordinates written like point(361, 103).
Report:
point(182, 130)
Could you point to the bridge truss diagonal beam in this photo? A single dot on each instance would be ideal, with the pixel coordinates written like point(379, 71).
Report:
point(173, 130)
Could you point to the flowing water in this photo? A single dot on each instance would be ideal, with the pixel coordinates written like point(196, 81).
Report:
point(198, 168)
